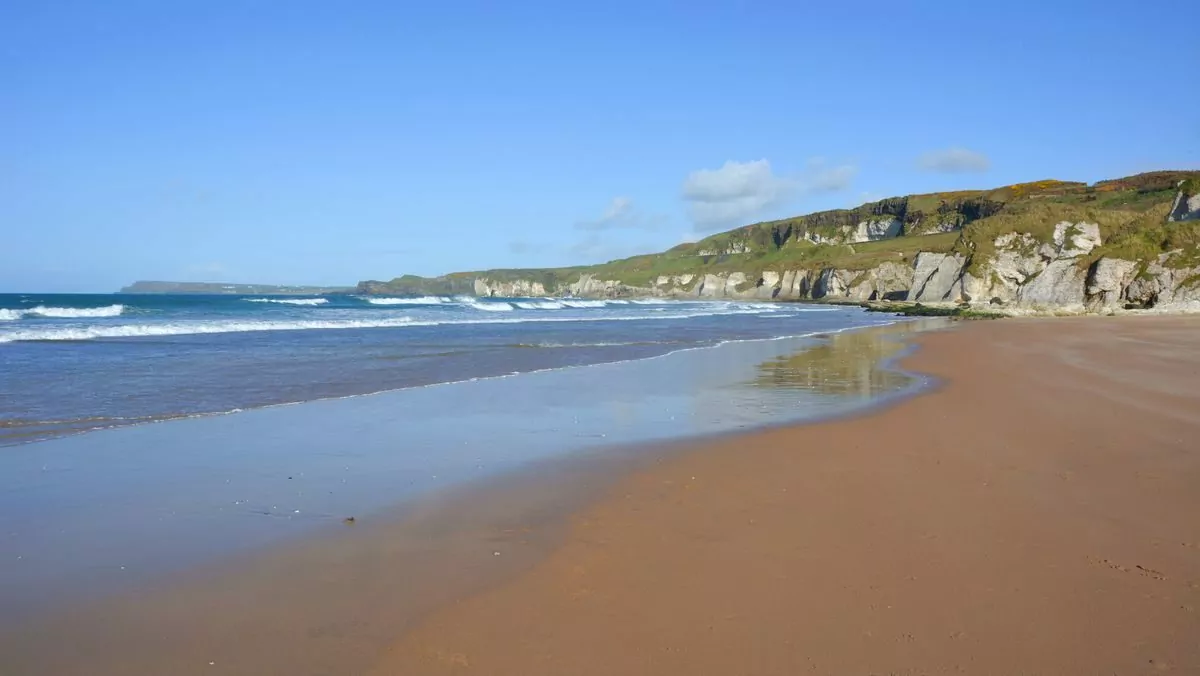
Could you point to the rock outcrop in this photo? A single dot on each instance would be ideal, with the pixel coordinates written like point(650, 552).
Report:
point(1107, 281)
point(590, 286)
point(1166, 288)
point(1185, 208)
point(937, 278)
point(517, 288)
point(877, 228)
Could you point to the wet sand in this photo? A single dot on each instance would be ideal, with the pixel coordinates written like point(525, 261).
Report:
point(1038, 514)
point(332, 601)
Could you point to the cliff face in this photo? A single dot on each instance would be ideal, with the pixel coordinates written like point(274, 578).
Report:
point(893, 217)
point(1020, 276)
point(1041, 247)
point(1185, 208)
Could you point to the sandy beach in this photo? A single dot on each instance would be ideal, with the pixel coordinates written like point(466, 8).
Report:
point(1034, 513)
point(1038, 514)
point(550, 339)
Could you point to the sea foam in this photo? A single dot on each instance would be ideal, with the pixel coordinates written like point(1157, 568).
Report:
point(422, 300)
point(584, 303)
point(62, 312)
point(11, 333)
point(187, 328)
point(491, 306)
point(290, 301)
point(539, 305)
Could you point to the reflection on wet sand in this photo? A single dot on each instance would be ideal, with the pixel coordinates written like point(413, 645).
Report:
point(847, 364)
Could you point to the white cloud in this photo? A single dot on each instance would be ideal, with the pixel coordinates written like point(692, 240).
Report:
point(954, 161)
point(738, 192)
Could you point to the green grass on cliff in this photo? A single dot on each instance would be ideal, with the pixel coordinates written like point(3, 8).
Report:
point(867, 255)
point(1037, 219)
point(1150, 235)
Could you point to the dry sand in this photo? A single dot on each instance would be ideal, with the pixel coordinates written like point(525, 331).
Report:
point(1039, 514)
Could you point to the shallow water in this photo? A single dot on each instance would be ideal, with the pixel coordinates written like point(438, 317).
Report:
point(109, 509)
point(75, 363)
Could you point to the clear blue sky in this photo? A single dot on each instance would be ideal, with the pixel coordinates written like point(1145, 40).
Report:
point(326, 142)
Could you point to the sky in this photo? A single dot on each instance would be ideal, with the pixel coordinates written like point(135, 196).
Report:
point(297, 142)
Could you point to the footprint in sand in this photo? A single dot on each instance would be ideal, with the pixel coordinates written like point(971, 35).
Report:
point(1148, 572)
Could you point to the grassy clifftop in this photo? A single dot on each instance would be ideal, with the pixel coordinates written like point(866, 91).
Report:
point(1131, 211)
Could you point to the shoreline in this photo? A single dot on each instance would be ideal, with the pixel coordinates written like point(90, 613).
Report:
point(15, 441)
point(448, 513)
point(1007, 522)
point(231, 484)
point(337, 602)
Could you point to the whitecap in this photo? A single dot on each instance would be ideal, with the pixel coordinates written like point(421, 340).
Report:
point(290, 301)
point(8, 335)
point(490, 306)
point(422, 300)
point(62, 312)
point(188, 328)
point(539, 305)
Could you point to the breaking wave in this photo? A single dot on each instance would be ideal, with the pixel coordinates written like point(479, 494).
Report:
point(423, 300)
point(628, 343)
point(77, 331)
point(489, 306)
point(291, 301)
point(497, 305)
point(62, 312)
point(564, 303)
point(187, 328)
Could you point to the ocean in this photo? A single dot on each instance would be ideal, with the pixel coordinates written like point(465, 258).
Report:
point(77, 363)
point(144, 434)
